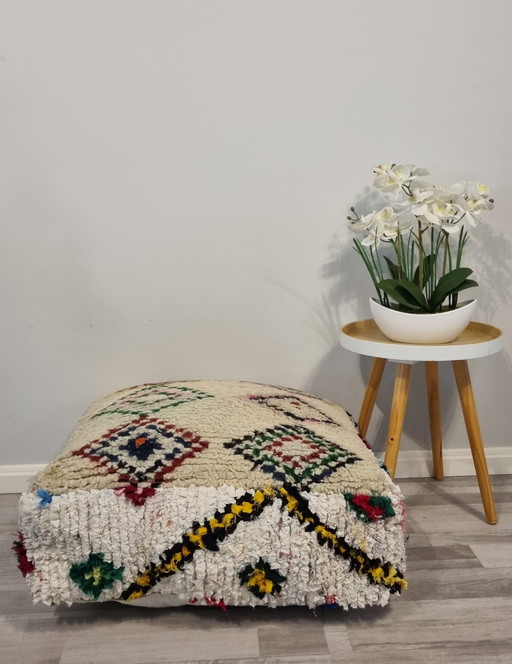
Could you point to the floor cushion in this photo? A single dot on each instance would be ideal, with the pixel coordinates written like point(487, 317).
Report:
point(213, 492)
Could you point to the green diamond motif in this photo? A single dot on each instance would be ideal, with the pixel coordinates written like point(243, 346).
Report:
point(95, 575)
point(292, 453)
point(150, 399)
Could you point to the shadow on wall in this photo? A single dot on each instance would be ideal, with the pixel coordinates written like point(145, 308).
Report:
point(491, 255)
point(341, 376)
point(340, 371)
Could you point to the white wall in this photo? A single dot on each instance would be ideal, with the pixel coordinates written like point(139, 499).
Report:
point(175, 181)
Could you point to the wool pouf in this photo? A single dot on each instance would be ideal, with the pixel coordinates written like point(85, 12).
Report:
point(213, 493)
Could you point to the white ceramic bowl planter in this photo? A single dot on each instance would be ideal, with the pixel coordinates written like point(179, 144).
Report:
point(409, 328)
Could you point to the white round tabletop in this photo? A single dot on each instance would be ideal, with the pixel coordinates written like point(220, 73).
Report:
point(477, 340)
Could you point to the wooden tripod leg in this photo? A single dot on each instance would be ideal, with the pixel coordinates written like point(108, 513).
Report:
point(434, 412)
point(467, 402)
point(396, 420)
point(370, 394)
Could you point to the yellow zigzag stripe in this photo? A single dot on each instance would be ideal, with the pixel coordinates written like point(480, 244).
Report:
point(183, 552)
point(387, 574)
point(194, 539)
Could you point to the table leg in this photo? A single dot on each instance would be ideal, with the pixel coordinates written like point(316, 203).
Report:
point(396, 420)
point(434, 412)
point(467, 402)
point(370, 394)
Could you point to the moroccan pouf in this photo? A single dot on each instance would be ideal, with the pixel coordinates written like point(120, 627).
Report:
point(218, 493)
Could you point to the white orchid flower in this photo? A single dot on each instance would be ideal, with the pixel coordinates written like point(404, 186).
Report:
point(472, 198)
point(386, 215)
point(371, 240)
point(415, 206)
point(471, 190)
point(364, 223)
point(386, 222)
point(477, 190)
point(445, 211)
point(417, 202)
point(449, 215)
point(477, 200)
point(386, 225)
point(392, 178)
point(474, 208)
point(479, 204)
point(419, 196)
point(442, 212)
point(373, 220)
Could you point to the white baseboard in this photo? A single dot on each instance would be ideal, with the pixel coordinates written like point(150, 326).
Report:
point(457, 462)
point(14, 479)
point(411, 463)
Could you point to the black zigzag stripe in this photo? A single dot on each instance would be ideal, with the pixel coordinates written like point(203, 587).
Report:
point(376, 570)
point(201, 536)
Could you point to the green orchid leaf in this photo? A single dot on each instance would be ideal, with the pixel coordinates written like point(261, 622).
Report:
point(414, 291)
point(448, 285)
point(389, 286)
point(428, 262)
point(393, 269)
point(406, 303)
point(404, 292)
point(469, 283)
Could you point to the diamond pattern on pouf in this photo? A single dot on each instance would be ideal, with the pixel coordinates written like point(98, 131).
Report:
point(95, 574)
point(216, 493)
point(153, 398)
point(293, 407)
point(143, 451)
point(292, 453)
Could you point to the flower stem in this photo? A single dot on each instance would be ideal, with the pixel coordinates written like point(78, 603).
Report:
point(370, 266)
point(421, 256)
point(399, 252)
point(445, 251)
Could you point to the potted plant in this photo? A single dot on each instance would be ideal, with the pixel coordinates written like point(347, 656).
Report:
point(413, 250)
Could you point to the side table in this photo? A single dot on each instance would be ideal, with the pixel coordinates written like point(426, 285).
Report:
point(477, 340)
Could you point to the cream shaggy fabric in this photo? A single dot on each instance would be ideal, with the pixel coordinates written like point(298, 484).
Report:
point(214, 492)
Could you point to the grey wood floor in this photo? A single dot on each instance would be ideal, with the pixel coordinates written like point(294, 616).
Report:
point(458, 607)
